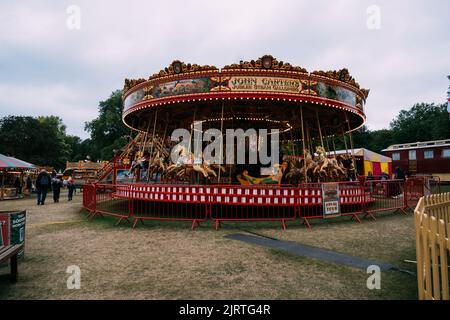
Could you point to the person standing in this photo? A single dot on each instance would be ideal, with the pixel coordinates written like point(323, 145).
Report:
point(399, 174)
point(401, 177)
point(70, 187)
point(43, 184)
point(29, 184)
point(56, 187)
point(18, 185)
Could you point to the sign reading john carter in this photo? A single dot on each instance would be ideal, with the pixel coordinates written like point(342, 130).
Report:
point(269, 84)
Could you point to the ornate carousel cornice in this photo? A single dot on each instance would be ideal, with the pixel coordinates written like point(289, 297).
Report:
point(177, 67)
point(266, 62)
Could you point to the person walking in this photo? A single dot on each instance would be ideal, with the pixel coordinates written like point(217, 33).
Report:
point(56, 187)
point(43, 184)
point(70, 187)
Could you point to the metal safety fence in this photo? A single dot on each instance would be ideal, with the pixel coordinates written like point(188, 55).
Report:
point(283, 203)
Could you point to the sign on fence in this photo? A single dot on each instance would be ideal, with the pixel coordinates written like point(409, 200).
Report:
point(330, 200)
point(12, 228)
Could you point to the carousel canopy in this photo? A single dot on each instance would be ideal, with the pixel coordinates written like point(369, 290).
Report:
point(13, 163)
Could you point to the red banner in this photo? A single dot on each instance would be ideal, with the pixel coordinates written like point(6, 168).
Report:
point(4, 230)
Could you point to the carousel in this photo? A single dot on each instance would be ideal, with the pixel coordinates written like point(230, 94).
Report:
point(312, 114)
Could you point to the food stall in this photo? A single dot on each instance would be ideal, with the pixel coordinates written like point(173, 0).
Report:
point(12, 169)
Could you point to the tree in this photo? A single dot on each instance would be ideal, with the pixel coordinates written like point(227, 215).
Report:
point(40, 141)
point(375, 140)
point(421, 123)
point(107, 130)
point(58, 150)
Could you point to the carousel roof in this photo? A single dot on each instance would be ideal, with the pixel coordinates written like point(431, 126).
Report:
point(259, 93)
point(13, 163)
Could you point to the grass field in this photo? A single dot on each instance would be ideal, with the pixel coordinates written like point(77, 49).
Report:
point(166, 260)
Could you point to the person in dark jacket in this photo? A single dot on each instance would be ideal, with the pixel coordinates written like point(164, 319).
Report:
point(399, 174)
point(43, 184)
point(56, 187)
point(398, 186)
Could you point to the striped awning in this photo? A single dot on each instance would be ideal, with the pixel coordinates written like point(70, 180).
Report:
point(13, 163)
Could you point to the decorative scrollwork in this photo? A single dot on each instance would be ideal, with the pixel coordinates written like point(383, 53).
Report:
point(365, 93)
point(266, 62)
point(130, 83)
point(179, 67)
point(148, 90)
point(341, 75)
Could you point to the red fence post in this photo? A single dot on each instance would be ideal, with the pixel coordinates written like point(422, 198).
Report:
point(95, 197)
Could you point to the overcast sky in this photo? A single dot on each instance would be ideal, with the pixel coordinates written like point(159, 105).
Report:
point(47, 68)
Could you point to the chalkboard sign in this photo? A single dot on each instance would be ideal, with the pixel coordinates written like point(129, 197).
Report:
point(17, 233)
point(330, 200)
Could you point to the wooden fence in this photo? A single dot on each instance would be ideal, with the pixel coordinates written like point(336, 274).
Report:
point(432, 221)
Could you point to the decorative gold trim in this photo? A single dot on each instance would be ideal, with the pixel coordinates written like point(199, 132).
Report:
point(178, 67)
point(340, 75)
point(130, 83)
point(266, 62)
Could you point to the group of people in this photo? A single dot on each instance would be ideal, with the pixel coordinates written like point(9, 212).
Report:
point(46, 182)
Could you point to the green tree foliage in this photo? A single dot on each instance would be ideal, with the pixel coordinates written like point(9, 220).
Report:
point(80, 149)
point(107, 130)
point(423, 122)
point(37, 140)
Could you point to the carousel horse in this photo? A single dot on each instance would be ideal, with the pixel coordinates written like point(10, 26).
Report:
point(186, 164)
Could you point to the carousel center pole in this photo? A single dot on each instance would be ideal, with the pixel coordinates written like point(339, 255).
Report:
point(345, 141)
point(303, 144)
point(334, 146)
point(142, 150)
point(351, 143)
point(144, 139)
point(221, 143)
point(308, 139)
point(165, 130)
point(190, 153)
point(327, 140)
point(293, 144)
point(153, 134)
point(318, 126)
point(151, 148)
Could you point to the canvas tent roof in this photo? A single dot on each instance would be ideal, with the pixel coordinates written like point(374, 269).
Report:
point(365, 153)
point(14, 163)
